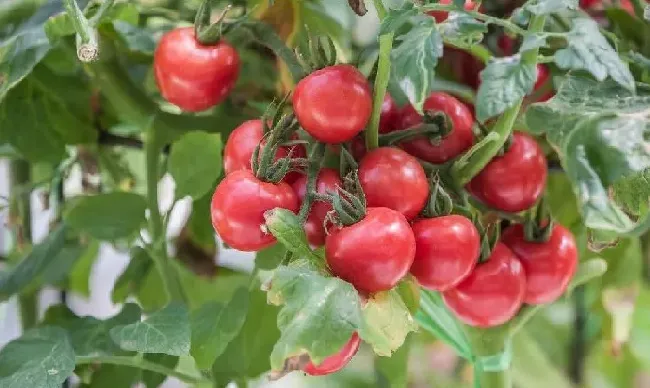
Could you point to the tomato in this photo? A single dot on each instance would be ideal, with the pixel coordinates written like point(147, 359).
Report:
point(333, 104)
point(446, 251)
point(241, 145)
point(464, 66)
point(394, 179)
point(337, 361)
point(191, 75)
point(375, 253)
point(238, 206)
point(441, 16)
point(543, 75)
point(512, 182)
point(506, 44)
point(492, 294)
point(327, 181)
point(389, 115)
point(455, 143)
point(549, 266)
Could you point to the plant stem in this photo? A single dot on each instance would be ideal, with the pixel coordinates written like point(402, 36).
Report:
point(578, 355)
point(512, 27)
point(140, 363)
point(153, 150)
point(103, 8)
point(490, 342)
point(87, 47)
point(315, 161)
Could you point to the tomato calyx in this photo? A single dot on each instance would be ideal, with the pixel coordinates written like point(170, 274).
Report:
point(349, 203)
point(440, 202)
point(321, 53)
point(205, 32)
point(262, 163)
point(435, 125)
point(539, 225)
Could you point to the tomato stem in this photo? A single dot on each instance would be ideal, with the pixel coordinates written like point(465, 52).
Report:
point(489, 343)
point(316, 158)
point(511, 27)
point(87, 47)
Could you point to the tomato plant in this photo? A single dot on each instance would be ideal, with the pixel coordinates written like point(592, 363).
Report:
point(211, 193)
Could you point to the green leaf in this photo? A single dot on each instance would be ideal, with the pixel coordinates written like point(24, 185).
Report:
point(79, 276)
point(415, 59)
point(57, 267)
point(462, 30)
point(587, 49)
point(396, 18)
point(199, 225)
point(131, 279)
point(587, 270)
point(269, 258)
point(32, 265)
point(531, 368)
point(108, 216)
point(386, 321)
point(504, 82)
point(135, 38)
point(632, 192)
point(166, 331)
point(545, 7)
point(41, 358)
point(392, 372)
point(215, 325)
point(286, 227)
point(195, 163)
point(599, 131)
point(318, 314)
point(153, 379)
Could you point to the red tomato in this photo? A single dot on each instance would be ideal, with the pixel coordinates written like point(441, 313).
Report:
point(358, 148)
point(441, 16)
point(327, 181)
point(394, 179)
point(492, 294)
point(389, 115)
point(464, 66)
point(191, 75)
point(452, 145)
point(506, 44)
point(512, 182)
point(373, 254)
point(337, 361)
point(549, 266)
point(333, 104)
point(238, 206)
point(241, 145)
point(447, 249)
point(543, 76)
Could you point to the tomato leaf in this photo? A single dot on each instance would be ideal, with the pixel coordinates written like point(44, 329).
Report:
point(286, 227)
point(462, 30)
point(215, 325)
point(41, 357)
point(397, 17)
point(393, 371)
point(133, 276)
point(135, 39)
point(504, 82)
point(195, 163)
point(587, 270)
point(545, 7)
point(79, 276)
point(18, 56)
point(108, 216)
point(166, 331)
point(589, 50)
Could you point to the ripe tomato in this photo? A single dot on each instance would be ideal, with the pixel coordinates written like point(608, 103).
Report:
point(238, 206)
point(333, 104)
point(389, 115)
point(335, 362)
point(441, 16)
point(492, 294)
point(446, 251)
point(327, 181)
point(512, 182)
point(543, 76)
point(464, 66)
point(373, 254)
point(549, 266)
point(191, 75)
point(394, 179)
point(241, 145)
point(452, 145)
point(506, 44)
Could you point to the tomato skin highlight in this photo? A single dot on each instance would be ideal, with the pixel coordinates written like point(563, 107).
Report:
point(333, 104)
point(549, 266)
point(327, 181)
point(447, 250)
point(394, 179)
point(336, 362)
point(455, 143)
point(242, 142)
point(515, 181)
point(193, 76)
point(389, 114)
point(373, 254)
point(492, 294)
point(238, 206)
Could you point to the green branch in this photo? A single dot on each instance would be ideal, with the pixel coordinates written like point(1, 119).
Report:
point(87, 47)
point(140, 363)
point(512, 27)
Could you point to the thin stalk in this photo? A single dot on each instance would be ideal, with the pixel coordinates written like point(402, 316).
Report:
point(99, 15)
point(87, 46)
point(578, 356)
point(140, 363)
point(510, 26)
point(315, 161)
point(486, 343)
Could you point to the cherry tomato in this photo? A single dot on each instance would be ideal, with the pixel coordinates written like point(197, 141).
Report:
point(333, 104)
point(458, 141)
point(191, 75)
point(512, 182)
point(506, 44)
point(441, 16)
point(492, 294)
point(464, 66)
point(238, 206)
point(241, 145)
point(549, 266)
point(358, 148)
point(327, 181)
point(389, 115)
point(373, 254)
point(447, 249)
point(543, 76)
point(337, 361)
point(394, 179)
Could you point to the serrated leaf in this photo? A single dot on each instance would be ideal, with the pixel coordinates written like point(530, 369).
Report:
point(587, 49)
point(18, 56)
point(286, 227)
point(545, 7)
point(135, 38)
point(396, 18)
point(41, 358)
point(386, 321)
point(533, 41)
point(504, 82)
point(215, 325)
point(318, 313)
point(414, 61)
point(632, 192)
point(462, 30)
point(166, 331)
point(195, 163)
point(108, 216)
point(269, 258)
